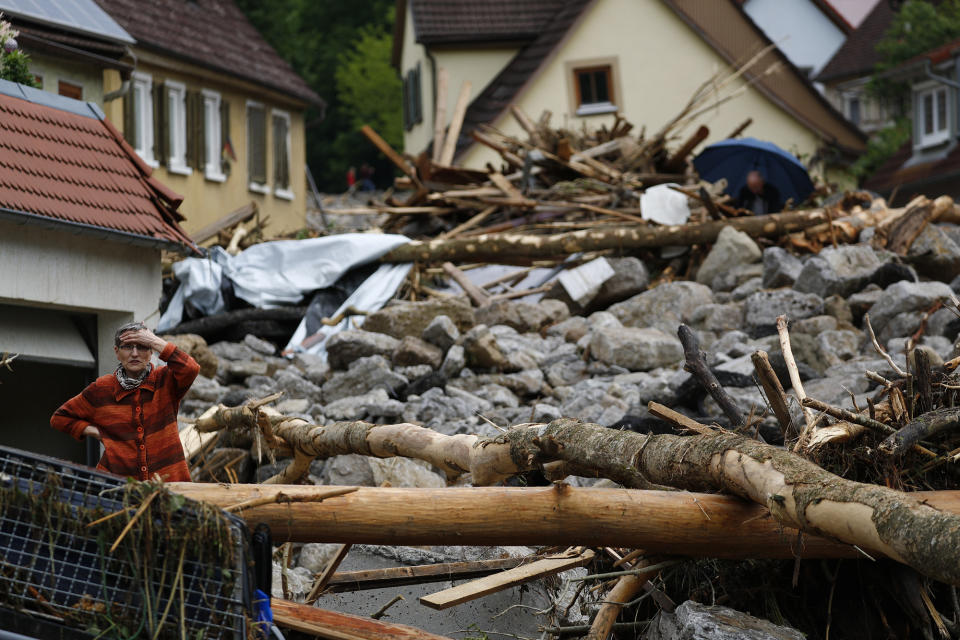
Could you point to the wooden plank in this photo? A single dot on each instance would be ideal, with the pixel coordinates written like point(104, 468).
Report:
point(399, 211)
point(456, 123)
point(469, 224)
point(345, 581)
point(506, 186)
point(668, 414)
point(478, 295)
point(506, 579)
point(321, 582)
point(242, 214)
point(388, 151)
point(440, 115)
point(334, 625)
point(513, 159)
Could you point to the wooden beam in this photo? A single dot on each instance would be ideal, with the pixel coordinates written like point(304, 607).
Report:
point(388, 151)
point(456, 123)
point(345, 581)
point(440, 114)
point(672, 522)
point(478, 295)
point(505, 579)
point(334, 625)
point(233, 218)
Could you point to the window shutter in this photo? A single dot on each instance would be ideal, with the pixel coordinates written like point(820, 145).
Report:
point(417, 97)
point(195, 139)
point(225, 140)
point(406, 102)
point(161, 123)
point(129, 120)
point(257, 144)
point(281, 154)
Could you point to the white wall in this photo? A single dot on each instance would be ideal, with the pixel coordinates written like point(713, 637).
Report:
point(805, 35)
point(55, 269)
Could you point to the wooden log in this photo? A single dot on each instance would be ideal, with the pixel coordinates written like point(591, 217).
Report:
point(335, 625)
point(678, 161)
point(624, 591)
point(506, 579)
point(774, 392)
point(696, 364)
point(346, 581)
point(440, 115)
point(923, 426)
point(669, 522)
point(498, 246)
point(456, 122)
point(512, 159)
point(388, 151)
point(527, 125)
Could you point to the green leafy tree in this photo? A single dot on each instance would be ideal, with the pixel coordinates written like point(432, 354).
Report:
point(14, 64)
point(313, 36)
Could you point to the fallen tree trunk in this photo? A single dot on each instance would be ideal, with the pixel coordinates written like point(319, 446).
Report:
point(669, 522)
point(497, 246)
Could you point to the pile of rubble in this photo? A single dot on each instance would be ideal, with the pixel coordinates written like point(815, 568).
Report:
point(459, 369)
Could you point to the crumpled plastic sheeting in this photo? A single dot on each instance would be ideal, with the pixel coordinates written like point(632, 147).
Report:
point(663, 205)
point(369, 296)
point(272, 274)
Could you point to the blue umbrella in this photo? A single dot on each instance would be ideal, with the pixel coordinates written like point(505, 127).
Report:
point(733, 159)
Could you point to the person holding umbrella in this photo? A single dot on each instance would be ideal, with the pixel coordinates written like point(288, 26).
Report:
point(758, 195)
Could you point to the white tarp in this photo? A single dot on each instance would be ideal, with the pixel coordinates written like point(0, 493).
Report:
point(375, 291)
point(271, 274)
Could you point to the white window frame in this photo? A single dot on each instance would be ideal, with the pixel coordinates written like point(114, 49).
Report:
point(256, 187)
point(939, 135)
point(176, 95)
point(141, 89)
point(213, 142)
point(285, 194)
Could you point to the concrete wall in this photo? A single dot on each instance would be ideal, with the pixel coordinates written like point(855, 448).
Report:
point(52, 70)
point(59, 270)
point(801, 30)
point(205, 200)
point(659, 62)
point(479, 66)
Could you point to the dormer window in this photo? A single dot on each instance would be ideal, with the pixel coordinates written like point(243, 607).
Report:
point(933, 116)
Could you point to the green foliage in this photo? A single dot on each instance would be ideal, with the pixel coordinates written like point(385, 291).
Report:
point(368, 88)
point(882, 145)
point(919, 26)
point(314, 37)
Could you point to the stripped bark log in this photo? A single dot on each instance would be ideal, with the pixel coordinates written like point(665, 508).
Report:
point(496, 246)
point(774, 392)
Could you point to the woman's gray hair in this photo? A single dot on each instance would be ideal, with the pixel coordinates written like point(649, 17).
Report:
point(130, 326)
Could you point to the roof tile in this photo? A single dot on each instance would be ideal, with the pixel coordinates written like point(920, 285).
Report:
point(69, 167)
point(212, 33)
point(858, 54)
point(462, 21)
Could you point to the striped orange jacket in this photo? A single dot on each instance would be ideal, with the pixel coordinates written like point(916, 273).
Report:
point(138, 426)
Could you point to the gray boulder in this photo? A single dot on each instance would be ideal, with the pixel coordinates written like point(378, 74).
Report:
point(411, 318)
point(297, 386)
point(355, 407)
point(732, 248)
point(762, 308)
point(899, 309)
point(454, 361)
point(347, 346)
point(441, 332)
point(718, 317)
point(259, 345)
point(663, 307)
point(630, 277)
point(234, 371)
point(206, 389)
point(480, 347)
point(571, 329)
point(233, 351)
point(839, 270)
point(413, 351)
point(935, 254)
point(635, 349)
point(363, 375)
point(780, 268)
point(695, 621)
point(733, 278)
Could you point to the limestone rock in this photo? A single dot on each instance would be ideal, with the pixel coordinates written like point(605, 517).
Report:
point(630, 278)
point(695, 621)
point(736, 276)
point(414, 351)
point(732, 248)
point(839, 270)
point(363, 375)
point(780, 268)
point(242, 369)
point(664, 307)
point(935, 254)
point(411, 318)
point(259, 345)
point(454, 361)
point(206, 389)
point(347, 346)
point(296, 386)
point(636, 349)
point(481, 350)
point(233, 351)
point(762, 308)
point(197, 347)
point(441, 332)
point(355, 407)
point(899, 309)
point(571, 329)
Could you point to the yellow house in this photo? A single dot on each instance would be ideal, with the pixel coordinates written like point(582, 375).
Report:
point(588, 61)
point(213, 109)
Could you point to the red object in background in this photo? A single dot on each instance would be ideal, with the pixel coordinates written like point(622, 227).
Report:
point(351, 177)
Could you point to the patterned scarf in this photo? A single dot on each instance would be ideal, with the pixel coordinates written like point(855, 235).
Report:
point(131, 383)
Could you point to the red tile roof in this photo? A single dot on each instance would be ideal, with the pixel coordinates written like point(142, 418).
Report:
point(213, 34)
point(77, 169)
point(858, 55)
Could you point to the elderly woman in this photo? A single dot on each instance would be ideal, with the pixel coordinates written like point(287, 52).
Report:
point(133, 412)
